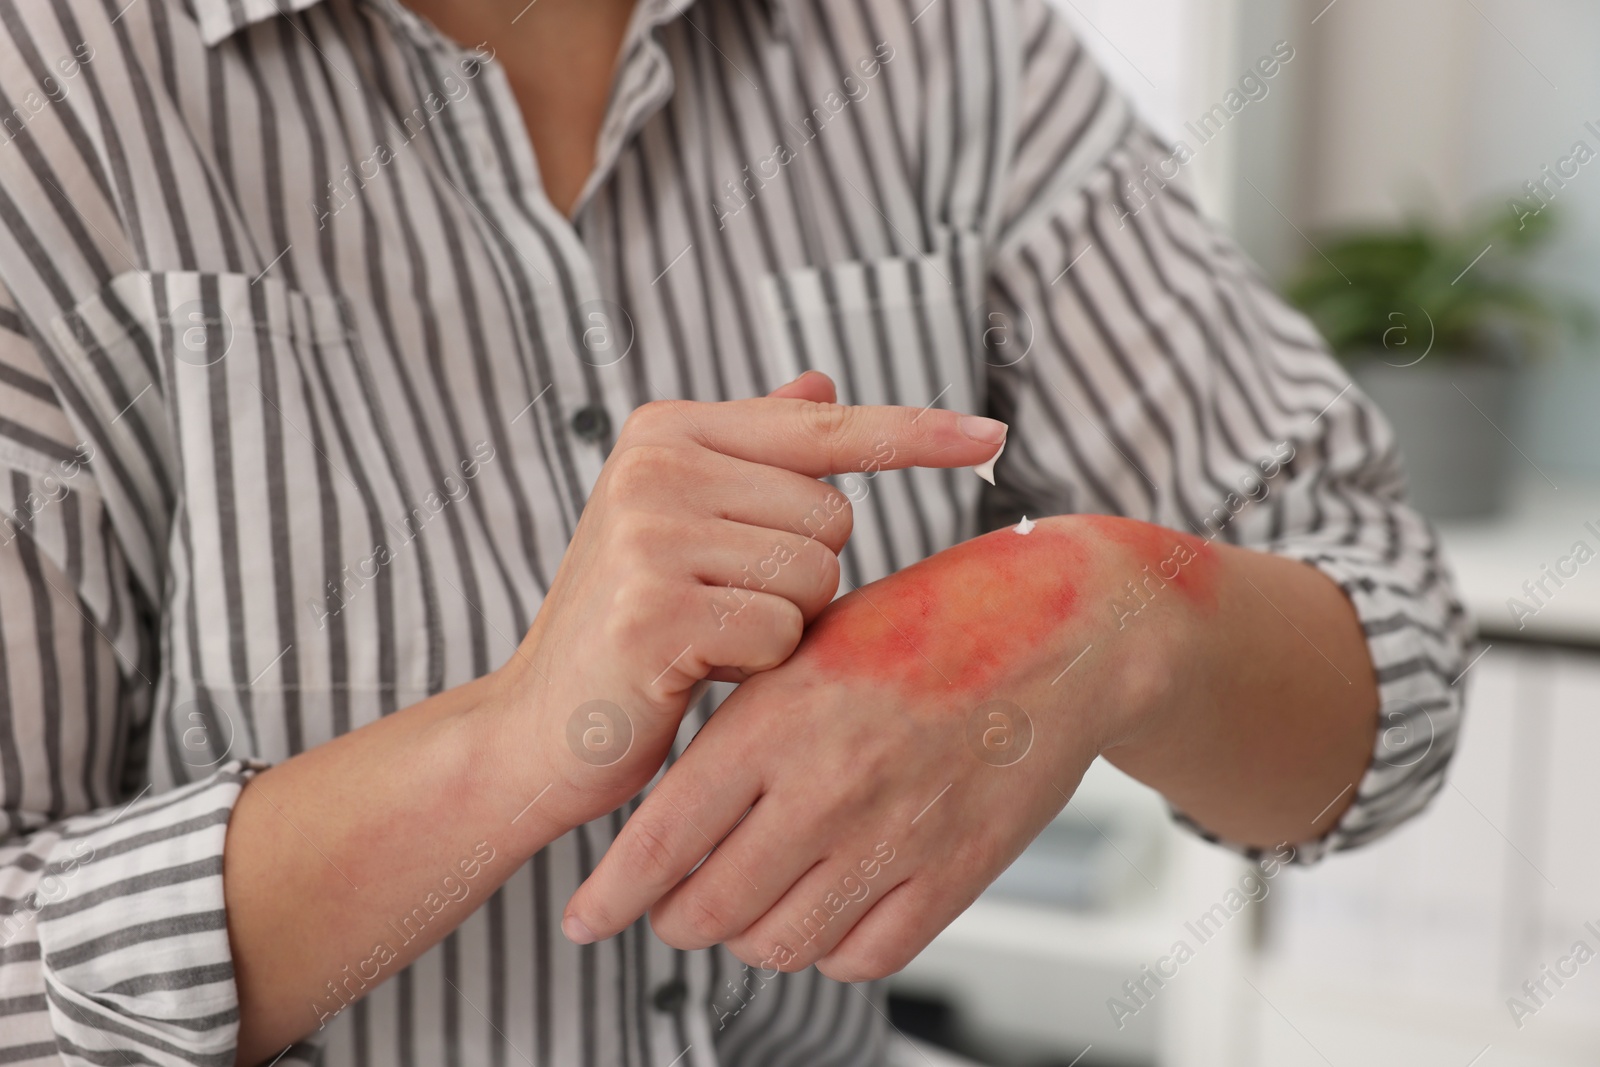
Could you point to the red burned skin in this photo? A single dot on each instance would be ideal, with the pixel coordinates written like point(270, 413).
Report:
point(962, 618)
point(1181, 561)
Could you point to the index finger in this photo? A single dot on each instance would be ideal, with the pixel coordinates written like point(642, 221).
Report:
point(818, 439)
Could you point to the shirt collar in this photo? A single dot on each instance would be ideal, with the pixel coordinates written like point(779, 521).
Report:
point(221, 19)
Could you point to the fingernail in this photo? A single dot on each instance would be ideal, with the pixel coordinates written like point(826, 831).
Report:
point(989, 431)
point(576, 932)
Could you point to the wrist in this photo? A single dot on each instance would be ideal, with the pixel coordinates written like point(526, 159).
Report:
point(1160, 589)
point(572, 759)
point(502, 730)
point(1147, 683)
point(1143, 617)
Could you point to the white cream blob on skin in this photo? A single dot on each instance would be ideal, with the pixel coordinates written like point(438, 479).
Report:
point(1025, 527)
point(985, 470)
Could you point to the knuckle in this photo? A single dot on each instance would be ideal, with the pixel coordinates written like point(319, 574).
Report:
point(864, 963)
point(598, 915)
point(794, 964)
point(826, 571)
point(639, 468)
point(826, 421)
point(971, 853)
point(784, 631)
point(635, 608)
point(882, 762)
point(746, 950)
point(772, 952)
point(830, 519)
point(628, 621)
point(706, 919)
point(647, 418)
point(631, 535)
point(871, 767)
point(845, 520)
point(650, 856)
point(843, 969)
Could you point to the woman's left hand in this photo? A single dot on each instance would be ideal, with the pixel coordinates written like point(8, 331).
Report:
point(858, 798)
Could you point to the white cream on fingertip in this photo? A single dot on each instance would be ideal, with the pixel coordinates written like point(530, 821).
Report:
point(985, 470)
point(1026, 526)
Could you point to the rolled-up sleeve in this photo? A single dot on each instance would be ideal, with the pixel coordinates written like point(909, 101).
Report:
point(1147, 370)
point(113, 939)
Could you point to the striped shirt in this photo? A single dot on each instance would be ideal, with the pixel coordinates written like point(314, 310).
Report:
point(303, 383)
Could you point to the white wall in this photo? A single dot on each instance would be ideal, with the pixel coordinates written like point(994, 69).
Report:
point(1387, 121)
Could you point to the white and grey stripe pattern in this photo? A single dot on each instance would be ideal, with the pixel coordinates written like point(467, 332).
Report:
point(303, 383)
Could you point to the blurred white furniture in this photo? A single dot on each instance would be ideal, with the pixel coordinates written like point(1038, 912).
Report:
point(1407, 952)
point(904, 1052)
point(1029, 979)
point(1494, 559)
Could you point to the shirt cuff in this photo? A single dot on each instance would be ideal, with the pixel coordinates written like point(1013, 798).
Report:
point(1416, 636)
point(135, 950)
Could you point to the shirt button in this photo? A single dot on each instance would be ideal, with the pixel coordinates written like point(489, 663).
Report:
point(591, 423)
point(669, 996)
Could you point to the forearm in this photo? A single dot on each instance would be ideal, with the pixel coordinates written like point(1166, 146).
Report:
point(1267, 718)
point(345, 863)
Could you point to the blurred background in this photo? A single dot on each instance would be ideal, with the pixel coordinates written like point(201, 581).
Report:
point(1423, 177)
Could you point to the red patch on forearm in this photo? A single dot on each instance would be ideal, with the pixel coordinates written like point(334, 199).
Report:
point(968, 616)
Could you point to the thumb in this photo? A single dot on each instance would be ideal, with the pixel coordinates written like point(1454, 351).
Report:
point(813, 385)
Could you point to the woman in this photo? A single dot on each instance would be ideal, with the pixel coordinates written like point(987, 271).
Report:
point(382, 498)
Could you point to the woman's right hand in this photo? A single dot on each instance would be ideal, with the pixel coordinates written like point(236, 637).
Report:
point(707, 544)
point(321, 847)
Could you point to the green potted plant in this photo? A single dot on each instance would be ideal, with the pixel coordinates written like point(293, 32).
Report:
point(1434, 325)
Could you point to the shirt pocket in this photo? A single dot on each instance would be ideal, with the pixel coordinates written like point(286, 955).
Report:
point(296, 602)
point(900, 330)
